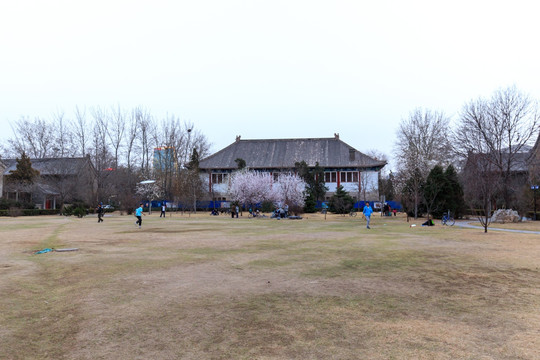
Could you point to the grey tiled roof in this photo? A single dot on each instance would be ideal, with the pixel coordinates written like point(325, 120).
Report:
point(533, 154)
point(283, 153)
point(50, 166)
point(519, 162)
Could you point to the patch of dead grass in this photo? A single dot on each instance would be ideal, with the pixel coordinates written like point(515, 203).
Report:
point(221, 288)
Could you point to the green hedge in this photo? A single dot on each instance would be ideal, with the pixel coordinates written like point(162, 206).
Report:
point(32, 212)
point(28, 212)
point(474, 212)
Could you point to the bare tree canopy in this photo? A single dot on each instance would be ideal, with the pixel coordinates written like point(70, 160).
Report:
point(422, 142)
point(500, 128)
point(503, 124)
point(480, 185)
point(33, 137)
point(123, 145)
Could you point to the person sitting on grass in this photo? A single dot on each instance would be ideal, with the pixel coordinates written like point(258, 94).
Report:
point(429, 222)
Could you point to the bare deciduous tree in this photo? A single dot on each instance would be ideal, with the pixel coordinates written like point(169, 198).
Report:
point(166, 158)
point(146, 130)
point(80, 131)
point(34, 137)
point(115, 132)
point(481, 180)
point(131, 138)
point(422, 142)
point(63, 146)
point(101, 156)
point(501, 128)
point(121, 146)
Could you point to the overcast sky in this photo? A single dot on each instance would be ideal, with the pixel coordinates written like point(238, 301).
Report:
point(265, 69)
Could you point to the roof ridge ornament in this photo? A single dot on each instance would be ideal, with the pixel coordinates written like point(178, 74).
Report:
point(336, 136)
point(238, 138)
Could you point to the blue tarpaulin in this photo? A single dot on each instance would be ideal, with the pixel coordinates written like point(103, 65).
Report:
point(43, 251)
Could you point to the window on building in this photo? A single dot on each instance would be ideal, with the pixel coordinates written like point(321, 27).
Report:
point(349, 176)
point(218, 178)
point(330, 176)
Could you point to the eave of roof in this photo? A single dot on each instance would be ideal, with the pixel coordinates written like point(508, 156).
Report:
point(50, 166)
point(284, 153)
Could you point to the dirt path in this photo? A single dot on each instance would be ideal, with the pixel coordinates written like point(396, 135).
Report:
point(470, 226)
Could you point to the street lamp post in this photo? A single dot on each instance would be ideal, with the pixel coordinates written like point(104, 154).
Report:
point(188, 159)
point(534, 188)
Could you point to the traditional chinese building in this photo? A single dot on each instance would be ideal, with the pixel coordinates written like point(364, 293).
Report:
point(342, 164)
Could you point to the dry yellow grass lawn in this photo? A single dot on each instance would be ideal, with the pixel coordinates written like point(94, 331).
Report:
point(202, 287)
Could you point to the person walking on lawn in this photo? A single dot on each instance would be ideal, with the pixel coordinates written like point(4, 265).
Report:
point(99, 213)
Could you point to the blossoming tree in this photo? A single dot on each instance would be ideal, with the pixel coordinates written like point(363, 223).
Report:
point(251, 187)
point(289, 189)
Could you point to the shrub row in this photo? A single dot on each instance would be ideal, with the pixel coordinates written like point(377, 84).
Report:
point(28, 212)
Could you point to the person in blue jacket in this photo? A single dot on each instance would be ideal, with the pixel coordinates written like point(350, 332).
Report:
point(139, 213)
point(367, 213)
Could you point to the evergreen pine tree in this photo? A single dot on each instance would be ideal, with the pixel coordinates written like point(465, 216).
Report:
point(453, 194)
point(433, 191)
point(315, 186)
point(310, 204)
point(22, 178)
point(240, 163)
point(341, 202)
point(24, 173)
point(194, 160)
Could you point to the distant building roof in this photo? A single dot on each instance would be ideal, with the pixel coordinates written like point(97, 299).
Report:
point(534, 153)
point(283, 153)
point(50, 166)
point(519, 162)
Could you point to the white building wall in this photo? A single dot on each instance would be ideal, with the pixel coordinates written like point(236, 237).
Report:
point(221, 188)
point(369, 179)
point(350, 187)
point(2, 169)
point(332, 187)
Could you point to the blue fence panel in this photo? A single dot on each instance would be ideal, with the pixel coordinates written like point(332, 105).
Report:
point(359, 205)
point(208, 205)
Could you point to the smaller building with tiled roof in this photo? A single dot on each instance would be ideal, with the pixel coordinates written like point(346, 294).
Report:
point(62, 179)
point(533, 162)
point(342, 164)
